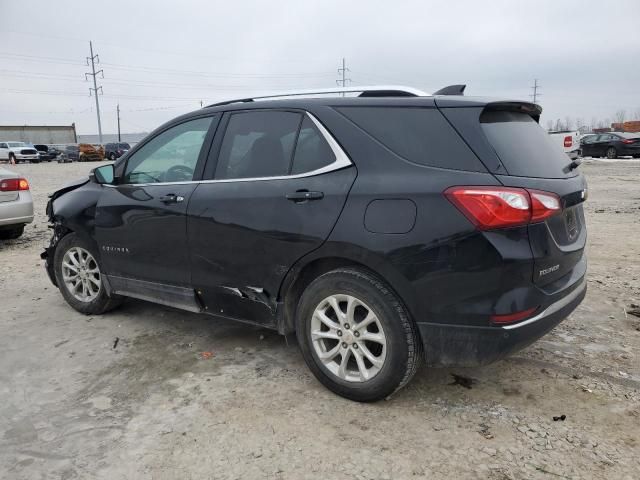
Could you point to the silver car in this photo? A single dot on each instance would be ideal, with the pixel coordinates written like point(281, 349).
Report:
point(16, 204)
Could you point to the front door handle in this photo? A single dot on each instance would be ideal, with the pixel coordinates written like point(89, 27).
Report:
point(171, 198)
point(300, 196)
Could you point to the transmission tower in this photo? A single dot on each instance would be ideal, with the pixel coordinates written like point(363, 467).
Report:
point(95, 59)
point(343, 74)
point(535, 89)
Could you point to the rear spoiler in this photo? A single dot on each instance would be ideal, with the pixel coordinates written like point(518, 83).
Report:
point(532, 109)
point(451, 90)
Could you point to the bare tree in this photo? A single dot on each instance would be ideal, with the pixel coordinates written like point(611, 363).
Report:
point(549, 125)
point(620, 116)
point(636, 114)
point(568, 123)
point(580, 126)
point(594, 122)
point(558, 125)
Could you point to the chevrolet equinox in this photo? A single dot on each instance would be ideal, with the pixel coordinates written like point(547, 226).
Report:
point(384, 228)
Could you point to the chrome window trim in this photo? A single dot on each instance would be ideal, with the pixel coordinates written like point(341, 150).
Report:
point(341, 161)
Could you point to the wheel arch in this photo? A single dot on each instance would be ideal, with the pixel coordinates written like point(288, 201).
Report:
point(323, 261)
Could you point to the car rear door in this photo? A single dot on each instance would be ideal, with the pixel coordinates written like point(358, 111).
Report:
point(602, 144)
point(277, 184)
point(141, 219)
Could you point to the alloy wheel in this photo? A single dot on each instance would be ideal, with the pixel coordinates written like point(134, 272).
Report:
point(81, 274)
point(348, 338)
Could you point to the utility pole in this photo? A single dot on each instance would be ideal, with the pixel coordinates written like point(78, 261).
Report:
point(118, 110)
point(343, 73)
point(535, 88)
point(95, 59)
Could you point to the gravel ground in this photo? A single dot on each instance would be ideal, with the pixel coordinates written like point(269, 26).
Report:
point(153, 407)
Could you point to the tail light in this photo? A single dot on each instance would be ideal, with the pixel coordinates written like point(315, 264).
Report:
point(13, 185)
point(628, 141)
point(499, 207)
point(568, 141)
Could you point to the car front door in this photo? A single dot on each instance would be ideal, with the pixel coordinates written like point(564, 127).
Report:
point(277, 183)
point(141, 218)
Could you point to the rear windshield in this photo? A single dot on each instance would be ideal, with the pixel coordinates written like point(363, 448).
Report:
point(124, 146)
point(524, 147)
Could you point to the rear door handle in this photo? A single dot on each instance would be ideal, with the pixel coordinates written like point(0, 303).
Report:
point(171, 198)
point(300, 196)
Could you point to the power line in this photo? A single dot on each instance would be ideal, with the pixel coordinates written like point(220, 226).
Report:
point(343, 72)
point(535, 89)
point(94, 58)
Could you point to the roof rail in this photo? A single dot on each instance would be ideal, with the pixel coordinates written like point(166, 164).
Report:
point(365, 91)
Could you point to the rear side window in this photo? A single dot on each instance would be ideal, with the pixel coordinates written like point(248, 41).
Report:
point(258, 144)
point(420, 135)
point(312, 151)
point(524, 147)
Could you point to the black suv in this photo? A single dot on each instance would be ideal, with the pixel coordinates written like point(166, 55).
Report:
point(382, 229)
point(113, 151)
point(46, 152)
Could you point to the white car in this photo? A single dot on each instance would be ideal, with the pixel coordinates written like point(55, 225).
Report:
point(16, 152)
point(16, 204)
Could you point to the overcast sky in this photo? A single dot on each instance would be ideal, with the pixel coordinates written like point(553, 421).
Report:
point(161, 58)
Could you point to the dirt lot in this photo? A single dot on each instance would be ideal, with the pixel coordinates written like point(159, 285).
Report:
point(73, 406)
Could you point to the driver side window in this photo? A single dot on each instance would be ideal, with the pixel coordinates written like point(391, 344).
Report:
point(170, 156)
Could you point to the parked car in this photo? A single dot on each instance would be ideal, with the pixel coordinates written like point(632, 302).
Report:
point(568, 140)
point(90, 153)
point(383, 230)
point(71, 154)
point(611, 145)
point(113, 151)
point(47, 152)
point(16, 205)
point(16, 152)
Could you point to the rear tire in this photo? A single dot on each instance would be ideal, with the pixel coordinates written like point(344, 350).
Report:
point(12, 234)
point(112, 156)
point(370, 349)
point(76, 263)
point(612, 153)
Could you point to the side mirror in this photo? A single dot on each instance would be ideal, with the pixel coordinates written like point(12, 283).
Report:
point(103, 175)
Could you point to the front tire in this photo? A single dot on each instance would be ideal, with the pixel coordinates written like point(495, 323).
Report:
point(12, 234)
point(112, 156)
point(79, 277)
point(612, 153)
point(356, 335)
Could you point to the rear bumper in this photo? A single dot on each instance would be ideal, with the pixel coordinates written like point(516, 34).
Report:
point(17, 212)
point(463, 345)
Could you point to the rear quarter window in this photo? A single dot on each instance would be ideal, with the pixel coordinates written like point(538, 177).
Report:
point(419, 135)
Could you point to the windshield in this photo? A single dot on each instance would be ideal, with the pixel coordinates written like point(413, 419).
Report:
point(124, 146)
point(16, 144)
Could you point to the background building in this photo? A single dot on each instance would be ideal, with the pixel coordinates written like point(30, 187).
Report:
point(47, 134)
